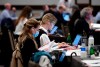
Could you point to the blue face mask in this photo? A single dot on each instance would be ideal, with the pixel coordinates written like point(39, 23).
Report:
point(36, 34)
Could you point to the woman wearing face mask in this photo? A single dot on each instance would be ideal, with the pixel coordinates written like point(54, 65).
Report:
point(22, 19)
point(27, 40)
point(47, 23)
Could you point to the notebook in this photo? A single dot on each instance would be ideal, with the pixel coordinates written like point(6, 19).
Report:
point(53, 30)
point(77, 40)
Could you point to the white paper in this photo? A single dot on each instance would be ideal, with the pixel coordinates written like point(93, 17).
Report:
point(95, 26)
point(48, 46)
point(93, 63)
point(61, 49)
point(97, 29)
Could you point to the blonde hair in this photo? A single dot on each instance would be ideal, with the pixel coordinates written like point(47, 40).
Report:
point(26, 30)
point(49, 17)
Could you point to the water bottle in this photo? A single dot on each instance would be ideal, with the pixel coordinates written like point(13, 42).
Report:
point(90, 43)
point(83, 51)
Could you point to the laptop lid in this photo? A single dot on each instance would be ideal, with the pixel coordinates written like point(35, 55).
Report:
point(66, 16)
point(76, 40)
point(53, 30)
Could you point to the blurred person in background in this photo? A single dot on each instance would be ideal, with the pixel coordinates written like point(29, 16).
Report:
point(22, 19)
point(60, 19)
point(14, 12)
point(74, 17)
point(84, 23)
point(46, 8)
point(52, 10)
point(6, 12)
point(60, 3)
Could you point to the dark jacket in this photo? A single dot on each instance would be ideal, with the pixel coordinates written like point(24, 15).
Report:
point(80, 26)
point(60, 20)
point(74, 17)
point(27, 49)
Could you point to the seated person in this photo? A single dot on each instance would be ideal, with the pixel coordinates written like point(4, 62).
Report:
point(22, 19)
point(28, 46)
point(47, 23)
point(28, 43)
point(84, 23)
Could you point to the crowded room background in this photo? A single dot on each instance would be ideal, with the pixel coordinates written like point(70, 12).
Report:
point(37, 33)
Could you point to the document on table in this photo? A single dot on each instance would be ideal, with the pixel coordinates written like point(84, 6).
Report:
point(93, 63)
point(95, 26)
point(48, 46)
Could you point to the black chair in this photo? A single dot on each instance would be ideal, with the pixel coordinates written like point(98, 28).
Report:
point(7, 29)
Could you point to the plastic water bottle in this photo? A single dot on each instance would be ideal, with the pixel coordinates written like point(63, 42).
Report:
point(90, 43)
point(83, 51)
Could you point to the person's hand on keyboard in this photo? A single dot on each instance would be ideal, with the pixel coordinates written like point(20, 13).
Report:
point(70, 48)
point(63, 45)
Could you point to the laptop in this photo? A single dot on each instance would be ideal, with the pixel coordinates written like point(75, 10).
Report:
point(53, 30)
point(77, 40)
point(66, 16)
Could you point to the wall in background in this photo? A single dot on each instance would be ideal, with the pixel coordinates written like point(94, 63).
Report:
point(83, 1)
point(29, 2)
point(95, 2)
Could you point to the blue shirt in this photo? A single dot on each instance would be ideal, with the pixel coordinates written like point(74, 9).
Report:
point(5, 14)
point(97, 18)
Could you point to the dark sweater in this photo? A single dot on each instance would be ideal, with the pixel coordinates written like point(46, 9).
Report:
point(27, 50)
point(81, 26)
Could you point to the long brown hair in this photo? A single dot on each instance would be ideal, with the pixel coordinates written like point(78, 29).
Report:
point(25, 13)
point(26, 30)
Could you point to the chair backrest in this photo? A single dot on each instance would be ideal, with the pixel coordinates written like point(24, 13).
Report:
point(12, 40)
point(7, 28)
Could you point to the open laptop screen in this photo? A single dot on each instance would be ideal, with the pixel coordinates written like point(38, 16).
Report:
point(76, 40)
point(66, 16)
point(53, 30)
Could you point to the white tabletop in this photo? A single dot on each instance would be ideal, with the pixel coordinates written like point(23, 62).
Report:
point(92, 62)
